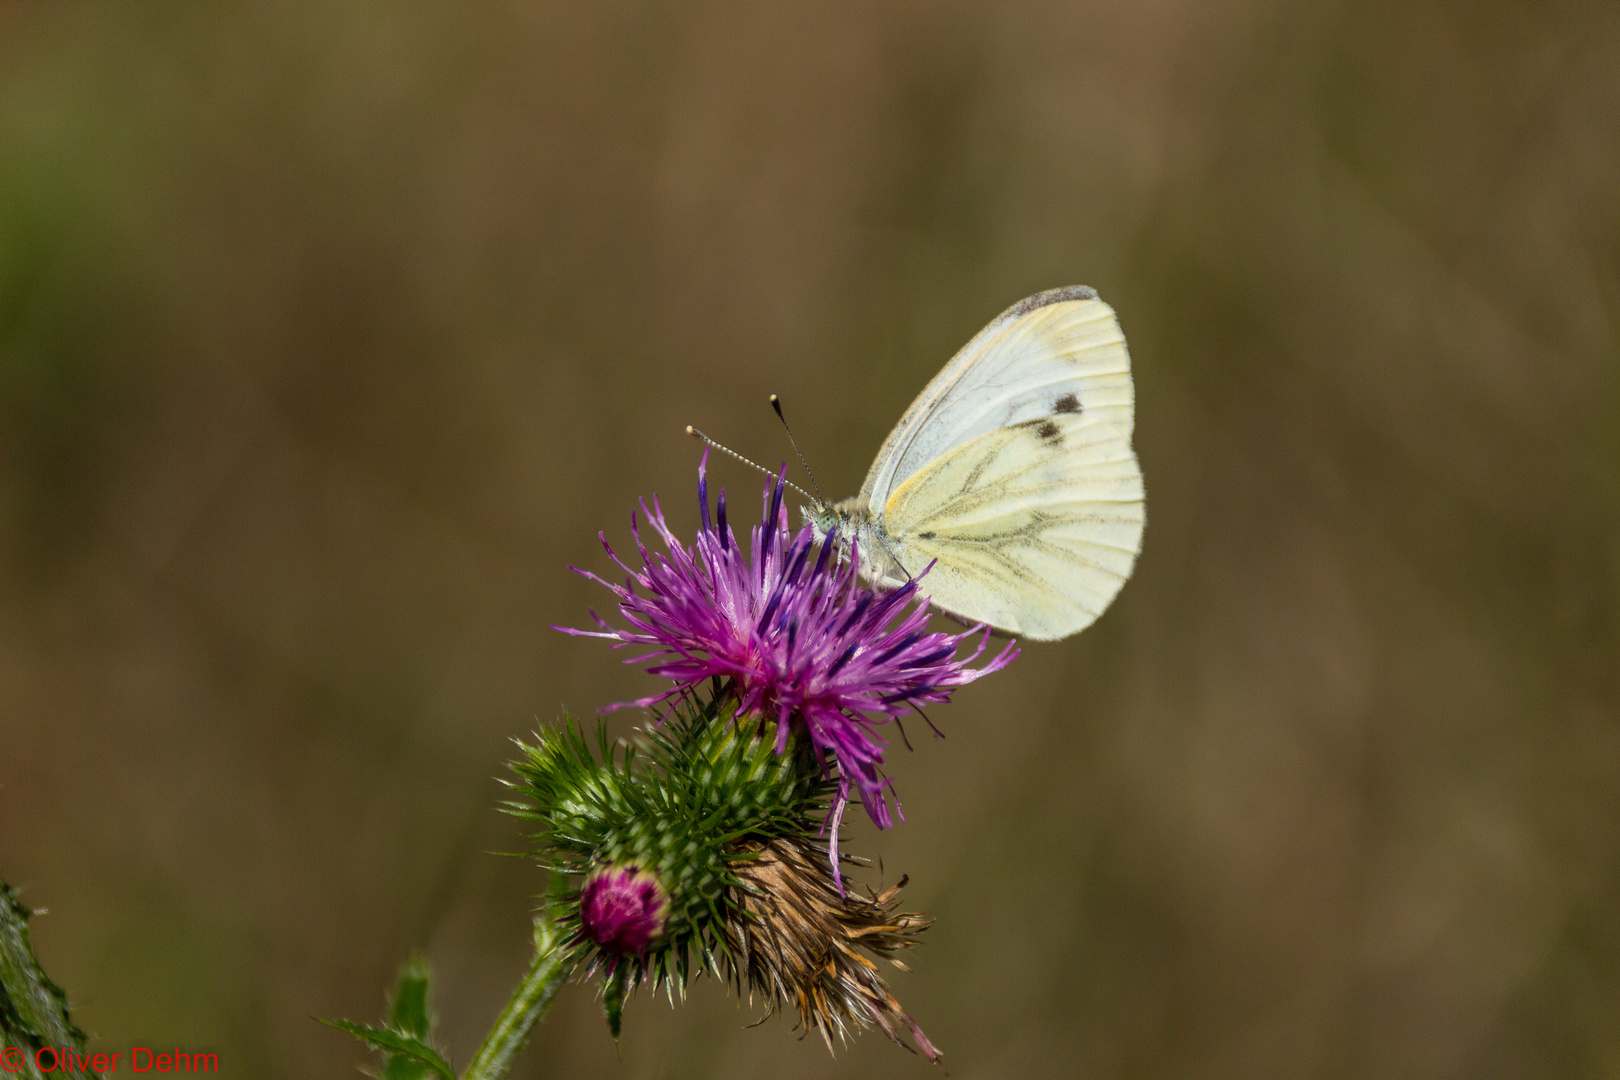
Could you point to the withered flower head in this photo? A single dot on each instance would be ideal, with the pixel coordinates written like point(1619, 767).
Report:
point(798, 942)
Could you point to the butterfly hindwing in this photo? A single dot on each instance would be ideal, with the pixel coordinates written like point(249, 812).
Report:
point(1032, 527)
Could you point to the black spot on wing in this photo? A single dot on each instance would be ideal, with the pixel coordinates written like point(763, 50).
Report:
point(1068, 403)
point(926, 535)
point(1046, 429)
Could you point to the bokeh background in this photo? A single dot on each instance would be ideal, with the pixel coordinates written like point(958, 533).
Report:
point(331, 333)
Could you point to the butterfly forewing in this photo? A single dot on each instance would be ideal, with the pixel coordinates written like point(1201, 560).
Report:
point(1057, 353)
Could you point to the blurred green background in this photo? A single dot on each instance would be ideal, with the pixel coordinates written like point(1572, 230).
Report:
point(331, 333)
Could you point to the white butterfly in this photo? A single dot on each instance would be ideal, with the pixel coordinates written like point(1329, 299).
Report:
point(1012, 472)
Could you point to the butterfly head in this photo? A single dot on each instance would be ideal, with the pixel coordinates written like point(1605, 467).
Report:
point(841, 520)
point(823, 518)
point(849, 526)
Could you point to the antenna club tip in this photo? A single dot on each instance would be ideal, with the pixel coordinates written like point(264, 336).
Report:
point(773, 399)
point(692, 431)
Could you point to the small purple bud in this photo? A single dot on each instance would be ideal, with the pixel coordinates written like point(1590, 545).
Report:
point(622, 909)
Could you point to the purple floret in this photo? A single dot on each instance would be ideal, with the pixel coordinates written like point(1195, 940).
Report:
point(800, 637)
point(622, 910)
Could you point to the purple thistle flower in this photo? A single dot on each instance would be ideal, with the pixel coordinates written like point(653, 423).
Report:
point(799, 637)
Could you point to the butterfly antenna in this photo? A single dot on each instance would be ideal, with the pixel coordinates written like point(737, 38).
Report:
point(777, 405)
point(696, 434)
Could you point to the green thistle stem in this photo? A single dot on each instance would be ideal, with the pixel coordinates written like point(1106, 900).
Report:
point(529, 1003)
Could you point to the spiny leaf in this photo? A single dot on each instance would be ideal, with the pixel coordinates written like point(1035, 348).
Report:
point(33, 1009)
point(397, 1045)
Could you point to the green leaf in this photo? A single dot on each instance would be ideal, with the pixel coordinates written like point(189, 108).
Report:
point(408, 1007)
point(398, 1046)
point(33, 1010)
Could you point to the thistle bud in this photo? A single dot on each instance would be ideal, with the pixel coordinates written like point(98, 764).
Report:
point(623, 909)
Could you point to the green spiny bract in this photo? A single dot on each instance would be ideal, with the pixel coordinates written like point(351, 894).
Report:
point(701, 795)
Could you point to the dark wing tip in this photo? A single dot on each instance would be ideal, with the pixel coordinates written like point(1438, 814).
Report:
point(1048, 298)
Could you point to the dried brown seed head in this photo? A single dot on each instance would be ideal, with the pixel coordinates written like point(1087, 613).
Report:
point(799, 940)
